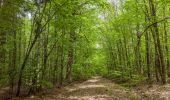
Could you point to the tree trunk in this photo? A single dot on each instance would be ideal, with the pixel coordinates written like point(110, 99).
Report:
point(158, 49)
point(166, 44)
point(37, 34)
point(70, 57)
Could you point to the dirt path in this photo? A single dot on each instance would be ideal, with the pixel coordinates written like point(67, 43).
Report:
point(98, 88)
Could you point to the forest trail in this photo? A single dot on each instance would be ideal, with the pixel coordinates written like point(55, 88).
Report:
point(96, 88)
point(99, 88)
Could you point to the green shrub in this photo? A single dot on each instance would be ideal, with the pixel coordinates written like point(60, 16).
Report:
point(47, 84)
point(80, 73)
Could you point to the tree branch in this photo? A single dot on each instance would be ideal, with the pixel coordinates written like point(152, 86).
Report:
point(168, 17)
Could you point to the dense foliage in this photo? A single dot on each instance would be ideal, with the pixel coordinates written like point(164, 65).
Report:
point(47, 43)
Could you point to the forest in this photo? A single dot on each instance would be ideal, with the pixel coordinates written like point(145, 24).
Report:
point(84, 49)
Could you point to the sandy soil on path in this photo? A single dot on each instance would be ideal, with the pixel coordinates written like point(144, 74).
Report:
point(98, 88)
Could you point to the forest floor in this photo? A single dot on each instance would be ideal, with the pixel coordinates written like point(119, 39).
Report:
point(98, 88)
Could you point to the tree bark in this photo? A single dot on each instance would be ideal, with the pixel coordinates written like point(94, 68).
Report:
point(70, 57)
point(158, 48)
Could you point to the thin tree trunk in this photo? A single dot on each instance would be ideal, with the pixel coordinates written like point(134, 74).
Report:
point(26, 58)
point(166, 44)
point(70, 57)
point(158, 49)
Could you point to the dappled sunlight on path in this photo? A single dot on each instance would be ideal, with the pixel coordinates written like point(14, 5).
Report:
point(96, 88)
